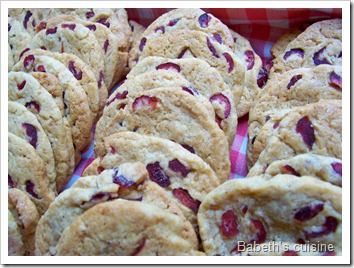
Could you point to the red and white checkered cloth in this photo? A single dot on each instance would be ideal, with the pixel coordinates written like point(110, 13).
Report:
point(262, 27)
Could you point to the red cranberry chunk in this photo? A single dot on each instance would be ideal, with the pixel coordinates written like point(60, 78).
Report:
point(308, 212)
point(212, 48)
point(27, 17)
point(268, 65)
point(30, 189)
point(306, 130)
point(112, 150)
point(204, 20)
point(217, 37)
point(22, 85)
point(91, 27)
point(294, 51)
point(169, 66)
point(28, 61)
point(224, 102)
point(31, 133)
point(230, 61)
point(293, 80)
point(41, 26)
point(260, 231)
point(10, 183)
point(186, 199)
point(33, 106)
point(276, 125)
point(98, 198)
point(287, 169)
point(100, 79)
point(69, 26)
point(290, 253)
point(180, 56)
point(249, 59)
point(119, 96)
point(189, 148)
point(105, 46)
point(178, 167)
point(319, 57)
point(329, 226)
point(161, 29)
point(191, 90)
point(158, 175)
point(335, 80)
point(172, 22)
point(337, 167)
point(229, 226)
point(142, 43)
point(8, 27)
point(77, 73)
point(51, 31)
point(90, 14)
point(340, 55)
point(262, 77)
point(253, 139)
point(145, 101)
point(139, 248)
point(23, 52)
point(121, 180)
point(41, 68)
point(244, 209)
point(100, 169)
point(104, 22)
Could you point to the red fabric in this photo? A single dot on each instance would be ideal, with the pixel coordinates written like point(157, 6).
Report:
point(262, 27)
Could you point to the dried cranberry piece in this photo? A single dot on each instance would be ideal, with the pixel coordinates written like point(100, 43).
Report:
point(27, 17)
point(261, 233)
point(191, 90)
point(189, 148)
point(290, 253)
point(122, 181)
point(185, 198)
point(319, 58)
point(68, 26)
point(253, 139)
point(244, 209)
point(308, 212)
point(204, 20)
point(145, 101)
point(23, 52)
point(276, 125)
point(33, 106)
point(306, 129)
point(249, 59)
point(90, 14)
point(119, 96)
point(100, 169)
point(43, 47)
point(329, 226)
point(287, 169)
point(30, 189)
point(104, 22)
point(142, 43)
point(169, 66)
point(8, 27)
point(337, 167)
point(230, 61)
point(22, 85)
point(267, 118)
point(105, 46)
point(139, 248)
point(10, 182)
point(172, 22)
point(158, 175)
point(161, 29)
point(212, 48)
point(51, 31)
point(98, 198)
point(41, 26)
point(31, 133)
point(178, 167)
point(91, 27)
point(294, 51)
point(340, 55)
point(293, 80)
point(335, 80)
point(41, 68)
point(262, 77)
point(77, 73)
point(217, 37)
point(28, 61)
point(224, 102)
point(100, 79)
point(229, 226)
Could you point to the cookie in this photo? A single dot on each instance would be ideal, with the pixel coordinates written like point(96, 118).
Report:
point(175, 115)
point(207, 82)
point(124, 181)
point(183, 19)
point(155, 232)
point(184, 175)
point(18, 37)
point(26, 217)
point(28, 17)
point(78, 111)
point(196, 44)
point(314, 128)
point(320, 43)
point(83, 74)
point(253, 65)
point(245, 212)
point(25, 125)
point(322, 167)
point(114, 56)
point(26, 171)
point(291, 89)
